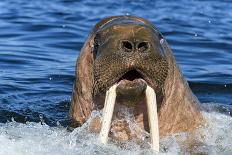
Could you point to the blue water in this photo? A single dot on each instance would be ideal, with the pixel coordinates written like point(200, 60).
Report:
point(41, 40)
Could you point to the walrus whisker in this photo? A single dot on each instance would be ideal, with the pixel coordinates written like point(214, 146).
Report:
point(153, 118)
point(108, 113)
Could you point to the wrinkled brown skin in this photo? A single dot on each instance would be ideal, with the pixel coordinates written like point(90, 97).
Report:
point(101, 64)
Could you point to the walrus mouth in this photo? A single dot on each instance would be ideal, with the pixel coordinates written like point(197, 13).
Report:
point(135, 74)
point(131, 75)
point(131, 88)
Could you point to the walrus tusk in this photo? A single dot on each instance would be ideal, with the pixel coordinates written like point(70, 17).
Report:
point(108, 113)
point(152, 115)
point(153, 118)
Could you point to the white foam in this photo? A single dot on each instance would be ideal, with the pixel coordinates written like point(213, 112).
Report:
point(34, 138)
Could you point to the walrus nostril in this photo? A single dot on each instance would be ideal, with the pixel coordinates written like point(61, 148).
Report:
point(126, 46)
point(143, 46)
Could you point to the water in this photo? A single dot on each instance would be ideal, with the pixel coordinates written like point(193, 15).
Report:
point(40, 41)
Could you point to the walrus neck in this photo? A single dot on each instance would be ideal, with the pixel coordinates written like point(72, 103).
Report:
point(179, 108)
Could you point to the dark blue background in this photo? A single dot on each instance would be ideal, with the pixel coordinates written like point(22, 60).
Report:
point(41, 39)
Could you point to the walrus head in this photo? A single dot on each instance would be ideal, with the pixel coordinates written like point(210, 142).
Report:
point(130, 52)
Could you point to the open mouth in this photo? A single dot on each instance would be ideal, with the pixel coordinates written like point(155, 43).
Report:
point(134, 77)
point(131, 75)
point(131, 84)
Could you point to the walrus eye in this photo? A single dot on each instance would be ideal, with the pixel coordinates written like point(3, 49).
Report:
point(143, 46)
point(126, 46)
point(161, 38)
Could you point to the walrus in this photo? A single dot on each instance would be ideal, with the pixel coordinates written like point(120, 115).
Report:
point(132, 53)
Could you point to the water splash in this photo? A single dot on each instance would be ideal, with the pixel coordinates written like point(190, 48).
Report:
point(36, 138)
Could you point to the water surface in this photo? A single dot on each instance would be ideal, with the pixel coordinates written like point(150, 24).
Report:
point(41, 40)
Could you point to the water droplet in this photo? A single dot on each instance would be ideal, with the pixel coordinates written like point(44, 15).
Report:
point(41, 119)
point(58, 123)
point(12, 119)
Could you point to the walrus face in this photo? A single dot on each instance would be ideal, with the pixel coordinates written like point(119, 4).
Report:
point(132, 56)
point(125, 60)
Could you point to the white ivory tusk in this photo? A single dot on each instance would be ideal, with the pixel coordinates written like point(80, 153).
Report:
point(152, 115)
point(108, 113)
point(153, 118)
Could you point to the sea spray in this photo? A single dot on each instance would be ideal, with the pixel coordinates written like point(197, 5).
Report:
point(33, 138)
